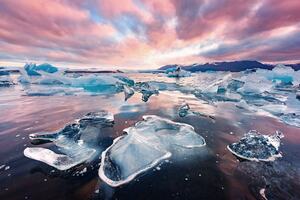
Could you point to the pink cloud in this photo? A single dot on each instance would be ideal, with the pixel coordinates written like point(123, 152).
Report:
point(89, 32)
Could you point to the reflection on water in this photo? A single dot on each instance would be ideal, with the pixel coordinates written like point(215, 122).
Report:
point(212, 173)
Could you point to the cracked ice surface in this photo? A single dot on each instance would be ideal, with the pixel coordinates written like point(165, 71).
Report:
point(145, 145)
point(257, 147)
point(75, 141)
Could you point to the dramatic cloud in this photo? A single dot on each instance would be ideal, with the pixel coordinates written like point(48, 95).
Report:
point(148, 33)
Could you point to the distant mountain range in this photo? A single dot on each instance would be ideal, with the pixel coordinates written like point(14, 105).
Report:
point(234, 66)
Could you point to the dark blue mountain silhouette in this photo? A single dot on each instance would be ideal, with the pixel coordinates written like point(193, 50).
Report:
point(233, 66)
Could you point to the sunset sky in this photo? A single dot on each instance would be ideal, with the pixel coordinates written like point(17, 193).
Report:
point(141, 34)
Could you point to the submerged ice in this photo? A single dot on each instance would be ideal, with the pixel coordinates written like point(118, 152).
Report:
point(255, 146)
point(77, 141)
point(145, 145)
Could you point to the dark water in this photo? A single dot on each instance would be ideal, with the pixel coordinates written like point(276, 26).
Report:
point(211, 173)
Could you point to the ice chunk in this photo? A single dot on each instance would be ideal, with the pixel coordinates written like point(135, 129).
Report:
point(257, 147)
point(76, 141)
point(3, 73)
point(128, 92)
point(146, 144)
point(292, 119)
point(6, 81)
point(125, 80)
point(234, 85)
point(59, 161)
point(33, 69)
point(146, 89)
point(183, 110)
point(178, 72)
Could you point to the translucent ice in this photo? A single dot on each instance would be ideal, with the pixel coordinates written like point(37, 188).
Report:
point(59, 161)
point(5, 81)
point(145, 145)
point(128, 92)
point(33, 69)
point(291, 119)
point(183, 110)
point(257, 147)
point(178, 72)
point(75, 141)
point(145, 89)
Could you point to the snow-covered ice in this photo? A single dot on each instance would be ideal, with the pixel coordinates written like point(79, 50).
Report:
point(255, 146)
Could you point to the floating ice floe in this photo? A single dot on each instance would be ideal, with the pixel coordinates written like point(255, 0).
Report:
point(292, 119)
point(33, 69)
point(184, 110)
point(48, 75)
point(145, 145)
point(76, 141)
point(5, 81)
point(255, 146)
point(128, 92)
point(178, 72)
point(145, 89)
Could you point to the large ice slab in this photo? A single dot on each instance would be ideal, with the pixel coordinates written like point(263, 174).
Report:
point(145, 145)
point(76, 141)
point(255, 146)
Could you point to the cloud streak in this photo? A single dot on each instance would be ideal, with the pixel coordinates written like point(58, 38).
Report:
point(148, 33)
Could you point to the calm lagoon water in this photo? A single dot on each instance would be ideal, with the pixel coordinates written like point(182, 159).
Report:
point(211, 173)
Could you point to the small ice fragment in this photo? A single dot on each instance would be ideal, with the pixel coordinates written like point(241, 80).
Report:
point(298, 96)
point(32, 69)
point(6, 82)
point(262, 193)
point(257, 147)
point(128, 92)
point(183, 110)
point(145, 89)
point(143, 147)
point(7, 168)
point(2, 166)
point(292, 119)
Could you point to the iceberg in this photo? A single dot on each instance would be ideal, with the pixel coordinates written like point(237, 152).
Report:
point(33, 69)
point(255, 146)
point(96, 84)
point(144, 146)
point(178, 72)
point(76, 141)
